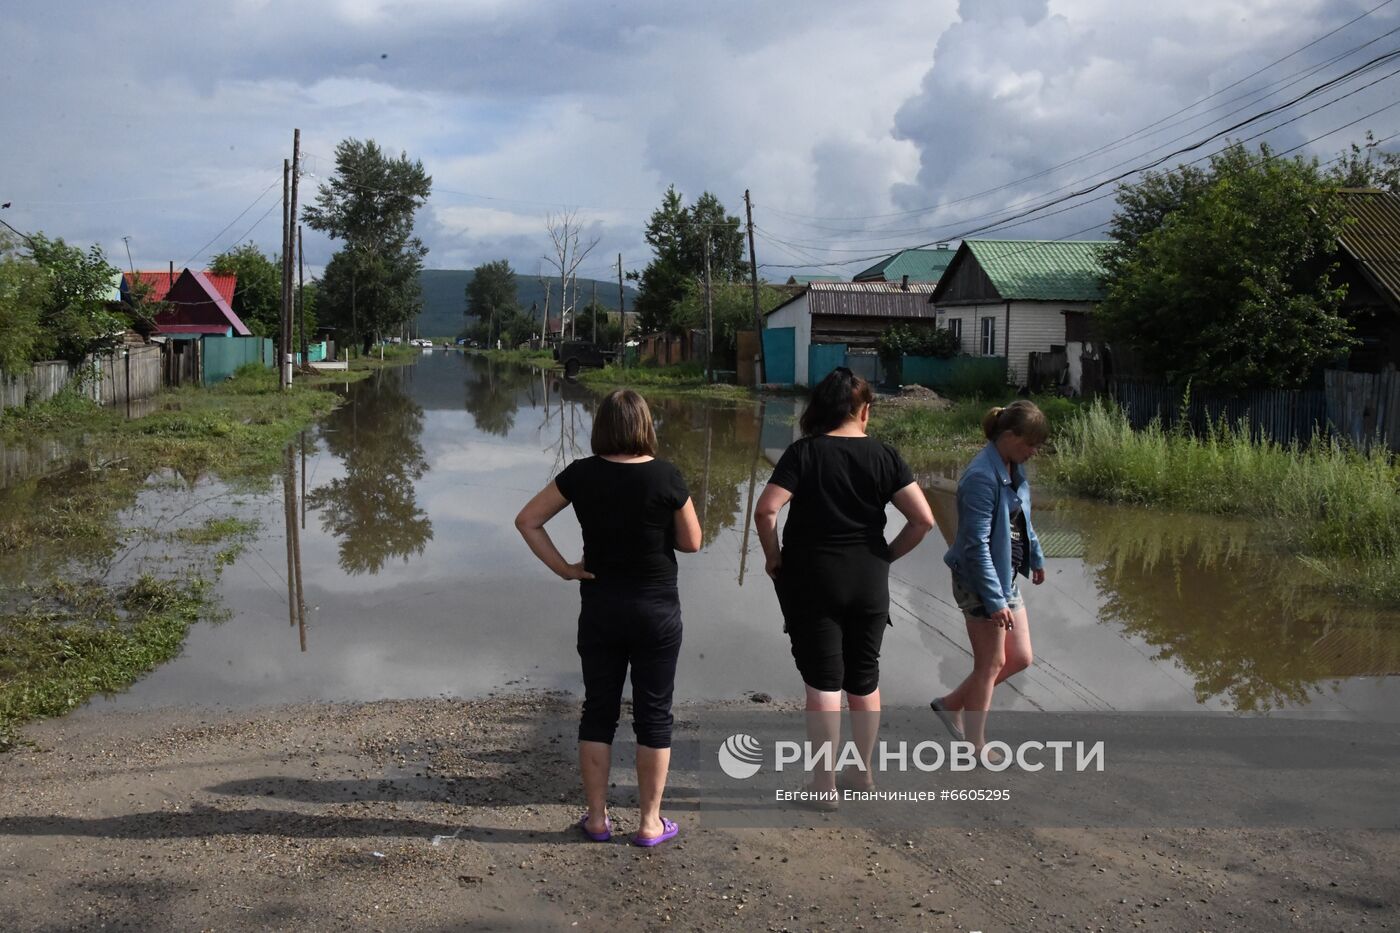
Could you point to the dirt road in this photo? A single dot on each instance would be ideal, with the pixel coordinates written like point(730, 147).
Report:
point(444, 814)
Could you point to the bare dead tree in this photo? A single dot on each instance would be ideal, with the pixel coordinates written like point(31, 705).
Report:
point(565, 230)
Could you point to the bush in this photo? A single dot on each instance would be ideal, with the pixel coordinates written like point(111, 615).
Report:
point(902, 340)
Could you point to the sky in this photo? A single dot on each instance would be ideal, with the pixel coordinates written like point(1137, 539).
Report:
point(859, 128)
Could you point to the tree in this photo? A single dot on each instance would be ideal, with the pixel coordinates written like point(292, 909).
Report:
point(609, 328)
point(677, 235)
point(258, 298)
point(565, 229)
point(733, 311)
point(490, 294)
point(370, 286)
point(1366, 167)
point(1222, 277)
point(23, 292)
point(74, 318)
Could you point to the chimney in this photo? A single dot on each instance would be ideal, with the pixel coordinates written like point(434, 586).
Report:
point(904, 283)
point(942, 245)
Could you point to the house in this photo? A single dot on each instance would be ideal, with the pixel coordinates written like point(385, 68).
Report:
point(830, 324)
point(160, 283)
point(1013, 298)
point(1369, 256)
point(921, 265)
point(197, 307)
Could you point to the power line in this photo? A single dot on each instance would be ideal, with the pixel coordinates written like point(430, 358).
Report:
point(231, 223)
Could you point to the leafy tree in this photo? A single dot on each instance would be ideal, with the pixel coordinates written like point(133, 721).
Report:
point(23, 292)
point(258, 298)
point(1366, 167)
point(370, 286)
point(732, 304)
point(74, 318)
point(491, 294)
point(677, 235)
point(609, 327)
point(1220, 277)
point(900, 340)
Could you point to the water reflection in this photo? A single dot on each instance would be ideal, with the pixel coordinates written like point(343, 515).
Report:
point(373, 509)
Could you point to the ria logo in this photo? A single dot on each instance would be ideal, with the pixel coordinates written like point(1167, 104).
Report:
point(741, 756)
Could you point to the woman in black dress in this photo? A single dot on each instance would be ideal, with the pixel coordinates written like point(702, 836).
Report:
point(635, 512)
point(832, 572)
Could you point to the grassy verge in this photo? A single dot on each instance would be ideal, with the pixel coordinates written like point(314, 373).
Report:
point(72, 641)
point(924, 433)
point(64, 641)
point(682, 379)
point(536, 357)
point(1335, 507)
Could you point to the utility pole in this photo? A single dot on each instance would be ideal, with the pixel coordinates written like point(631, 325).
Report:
point(573, 318)
point(287, 353)
point(622, 310)
point(594, 306)
point(284, 326)
point(753, 277)
point(301, 296)
point(709, 317)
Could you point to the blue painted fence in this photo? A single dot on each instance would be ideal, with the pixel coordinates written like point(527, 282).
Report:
point(780, 355)
point(223, 355)
point(822, 358)
point(960, 375)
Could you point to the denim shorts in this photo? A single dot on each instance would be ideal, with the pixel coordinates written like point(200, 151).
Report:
point(971, 604)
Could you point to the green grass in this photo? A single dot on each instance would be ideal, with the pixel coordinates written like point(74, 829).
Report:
point(70, 642)
point(1337, 507)
point(680, 379)
point(216, 531)
point(537, 357)
point(923, 433)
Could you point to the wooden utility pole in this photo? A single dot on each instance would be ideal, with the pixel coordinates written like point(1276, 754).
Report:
point(544, 325)
point(594, 306)
point(709, 317)
point(301, 296)
point(753, 278)
point(622, 310)
point(287, 351)
point(573, 318)
point(284, 327)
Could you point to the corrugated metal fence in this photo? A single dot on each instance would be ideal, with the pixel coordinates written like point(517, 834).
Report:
point(1358, 406)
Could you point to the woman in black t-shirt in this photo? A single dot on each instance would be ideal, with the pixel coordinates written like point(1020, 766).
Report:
point(832, 572)
point(635, 512)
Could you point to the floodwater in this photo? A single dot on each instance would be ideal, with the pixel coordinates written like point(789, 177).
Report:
point(416, 583)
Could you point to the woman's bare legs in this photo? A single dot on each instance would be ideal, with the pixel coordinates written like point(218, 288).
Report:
point(594, 763)
point(652, 766)
point(824, 731)
point(996, 655)
point(865, 731)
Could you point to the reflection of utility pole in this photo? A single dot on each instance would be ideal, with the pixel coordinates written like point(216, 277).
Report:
point(296, 600)
point(753, 479)
point(705, 483)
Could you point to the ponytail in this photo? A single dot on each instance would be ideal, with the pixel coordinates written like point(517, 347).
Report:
point(1022, 418)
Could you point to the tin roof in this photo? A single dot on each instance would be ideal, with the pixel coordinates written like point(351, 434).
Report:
point(866, 299)
point(921, 265)
point(1373, 237)
point(1038, 270)
point(225, 283)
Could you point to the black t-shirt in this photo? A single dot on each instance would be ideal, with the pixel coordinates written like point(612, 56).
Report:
point(627, 512)
point(840, 487)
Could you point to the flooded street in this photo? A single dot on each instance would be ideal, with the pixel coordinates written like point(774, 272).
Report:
point(416, 583)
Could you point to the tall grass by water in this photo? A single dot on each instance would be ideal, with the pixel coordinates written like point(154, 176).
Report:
point(1335, 506)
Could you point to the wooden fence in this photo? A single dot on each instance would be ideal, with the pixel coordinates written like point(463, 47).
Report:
point(1361, 407)
point(127, 375)
point(109, 378)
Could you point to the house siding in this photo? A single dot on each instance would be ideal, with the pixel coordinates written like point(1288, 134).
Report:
point(1036, 326)
point(795, 314)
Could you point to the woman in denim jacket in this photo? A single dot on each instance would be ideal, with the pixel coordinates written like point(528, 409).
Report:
point(995, 542)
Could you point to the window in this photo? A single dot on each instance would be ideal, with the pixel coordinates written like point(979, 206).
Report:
point(989, 336)
point(955, 328)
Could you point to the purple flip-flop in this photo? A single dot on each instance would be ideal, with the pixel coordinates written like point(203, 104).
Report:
point(604, 836)
point(669, 830)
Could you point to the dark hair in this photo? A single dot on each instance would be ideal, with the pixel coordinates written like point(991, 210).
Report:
point(837, 397)
point(1022, 418)
point(623, 426)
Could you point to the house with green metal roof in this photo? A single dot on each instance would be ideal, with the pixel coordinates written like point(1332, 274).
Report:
point(1012, 298)
point(921, 265)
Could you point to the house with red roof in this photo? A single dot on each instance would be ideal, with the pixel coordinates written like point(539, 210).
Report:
point(198, 304)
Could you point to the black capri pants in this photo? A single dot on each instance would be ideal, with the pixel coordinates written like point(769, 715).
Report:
point(622, 626)
point(836, 606)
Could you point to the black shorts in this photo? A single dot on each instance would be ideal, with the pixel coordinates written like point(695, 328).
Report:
point(836, 606)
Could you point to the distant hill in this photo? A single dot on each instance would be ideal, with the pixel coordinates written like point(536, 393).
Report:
point(444, 298)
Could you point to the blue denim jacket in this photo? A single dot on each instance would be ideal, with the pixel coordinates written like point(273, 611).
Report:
point(981, 552)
